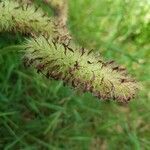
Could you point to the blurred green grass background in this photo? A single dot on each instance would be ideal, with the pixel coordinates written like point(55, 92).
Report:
point(37, 114)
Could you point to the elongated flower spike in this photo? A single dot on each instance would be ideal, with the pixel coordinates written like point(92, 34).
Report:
point(24, 18)
point(82, 71)
point(27, 19)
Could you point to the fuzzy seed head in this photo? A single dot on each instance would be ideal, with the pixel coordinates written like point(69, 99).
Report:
point(24, 18)
point(83, 71)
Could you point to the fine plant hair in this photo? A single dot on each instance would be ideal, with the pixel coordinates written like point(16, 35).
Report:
point(54, 56)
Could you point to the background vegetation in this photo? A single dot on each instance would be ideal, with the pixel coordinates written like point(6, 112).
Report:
point(37, 114)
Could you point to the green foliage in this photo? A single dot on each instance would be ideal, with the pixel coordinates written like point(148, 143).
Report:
point(37, 113)
point(104, 22)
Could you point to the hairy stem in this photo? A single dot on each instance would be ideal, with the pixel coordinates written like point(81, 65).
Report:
point(60, 9)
